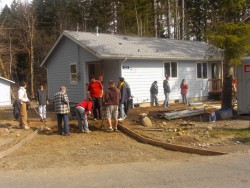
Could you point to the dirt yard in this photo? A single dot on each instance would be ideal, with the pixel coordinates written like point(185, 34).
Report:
point(48, 149)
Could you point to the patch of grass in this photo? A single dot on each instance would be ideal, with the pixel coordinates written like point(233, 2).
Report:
point(242, 135)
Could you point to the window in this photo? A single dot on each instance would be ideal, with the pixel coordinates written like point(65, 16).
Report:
point(201, 70)
point(170, 69)
point(73, 74)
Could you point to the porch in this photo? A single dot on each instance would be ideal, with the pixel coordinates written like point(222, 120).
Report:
point(214, 88)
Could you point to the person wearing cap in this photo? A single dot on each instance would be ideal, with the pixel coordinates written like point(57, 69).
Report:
point(62, 110)
point(166, 89)
point(111, 99)
point(95, 91)
point(82, 110)
point(154, 94)
point(22, 102)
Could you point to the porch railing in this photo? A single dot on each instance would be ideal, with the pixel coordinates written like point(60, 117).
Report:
point(214, 85)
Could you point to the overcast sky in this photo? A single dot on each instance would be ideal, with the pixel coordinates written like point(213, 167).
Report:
point(8, 2)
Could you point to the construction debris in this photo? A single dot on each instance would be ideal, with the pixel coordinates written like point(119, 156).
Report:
point(183, 113)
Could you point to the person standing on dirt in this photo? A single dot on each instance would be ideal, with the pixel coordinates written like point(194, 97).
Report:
point(95, 91)
point(166, 89)
point(154, 94)
point(62, 110)
point(22, 102)
point(42, 99)
point(111, 99)
point(124, 98)
point(184, 91)
point(82, 110)
point(128, 102)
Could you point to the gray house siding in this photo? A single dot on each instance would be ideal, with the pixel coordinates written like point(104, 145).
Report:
point(112, 71)
point(58, 69)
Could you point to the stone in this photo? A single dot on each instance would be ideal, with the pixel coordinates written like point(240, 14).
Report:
point(18, 135)
point(146, 122)
point(142, 115)
point(164, 123)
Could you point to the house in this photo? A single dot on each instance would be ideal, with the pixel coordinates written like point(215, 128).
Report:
point(5, 97)
point(140, 60)
point(243, 86)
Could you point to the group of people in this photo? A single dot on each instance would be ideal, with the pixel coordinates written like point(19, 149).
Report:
point(115, 98)
point(166, 89)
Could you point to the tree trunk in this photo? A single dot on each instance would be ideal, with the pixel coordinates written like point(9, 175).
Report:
point(155, 17)
point(168, 20)
point(137, 19)
point(226, 102)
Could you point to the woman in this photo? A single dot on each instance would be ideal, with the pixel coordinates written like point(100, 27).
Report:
point(184, 90)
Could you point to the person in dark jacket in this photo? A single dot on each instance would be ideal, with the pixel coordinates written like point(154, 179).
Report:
point(111, 99)
point(184, 90)
point(42, 99)
point(129, 102)
point(83, 109)
point(166, 89)
point(123, 99)
point(154, 94)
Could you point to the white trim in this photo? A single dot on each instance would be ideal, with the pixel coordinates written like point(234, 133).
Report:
point(5, 79)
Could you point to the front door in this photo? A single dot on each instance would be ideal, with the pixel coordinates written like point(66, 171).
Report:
point(95, 69)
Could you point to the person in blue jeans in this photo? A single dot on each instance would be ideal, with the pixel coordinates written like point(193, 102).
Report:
point(166, 89)
point(82, 110)
point(61, 102)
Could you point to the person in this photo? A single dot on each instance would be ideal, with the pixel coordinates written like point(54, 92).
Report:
point(154, 94)
point(128, 102)
point(23, 101)
point(62, 109)
point(166, 89)
point(42, 99)
point(123, 99)
point(83, 109)
point(184, 91)
point(95, 91)
point(111, 99)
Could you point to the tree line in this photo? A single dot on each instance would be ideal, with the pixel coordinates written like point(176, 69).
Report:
point(28, 30)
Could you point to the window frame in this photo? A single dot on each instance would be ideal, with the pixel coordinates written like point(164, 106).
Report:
point(170, 67)
point(202, 70)
point(70, 74)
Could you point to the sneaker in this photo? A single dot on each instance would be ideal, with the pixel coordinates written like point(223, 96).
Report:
point(44, 120)
point(67, 134)
point(121, 119)
point(87, 131)
point(95, 119)
point(81, 131)
point(109, 129)
point(115, 129)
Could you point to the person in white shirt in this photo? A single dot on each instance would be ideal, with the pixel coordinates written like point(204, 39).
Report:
point(23, 99)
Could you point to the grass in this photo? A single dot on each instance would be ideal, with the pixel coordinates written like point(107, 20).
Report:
point(242, 135)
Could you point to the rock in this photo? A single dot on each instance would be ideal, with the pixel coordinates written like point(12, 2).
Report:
point(18, 135)
point(164, 123)
point(209, 127)
point(146, 122)
point(142, 115)
point(238, 142)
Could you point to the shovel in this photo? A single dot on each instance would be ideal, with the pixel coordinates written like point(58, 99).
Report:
point(46, 127)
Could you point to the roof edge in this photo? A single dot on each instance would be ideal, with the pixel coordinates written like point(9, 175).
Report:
point(7, 80)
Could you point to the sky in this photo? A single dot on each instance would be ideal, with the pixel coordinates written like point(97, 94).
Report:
point(8, 2)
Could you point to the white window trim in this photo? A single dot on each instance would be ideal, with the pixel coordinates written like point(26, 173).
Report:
point(70, 78)
point(171, 69)
point(201, 71)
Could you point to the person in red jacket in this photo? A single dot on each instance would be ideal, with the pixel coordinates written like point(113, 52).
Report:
point(184, 91)
point(95, 91)
point(82, 110)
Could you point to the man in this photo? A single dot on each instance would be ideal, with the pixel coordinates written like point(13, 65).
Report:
point(128, 103)
point(62, 109)
point(166, 89)
point(82, 110)
point(95, 91)
point(23, 99)
point(111, 99)
point(154, 93)
point(41, 98)
point(123, 99)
